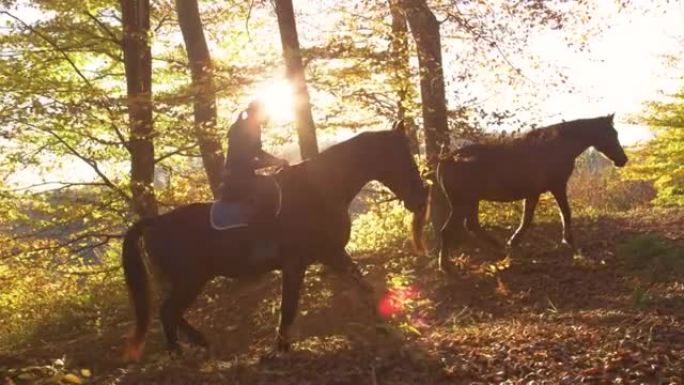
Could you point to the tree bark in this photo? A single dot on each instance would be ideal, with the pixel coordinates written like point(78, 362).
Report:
point(401, 72)
point(138, 67)
point(425, 31)
point(203, 91)
point(294, 67)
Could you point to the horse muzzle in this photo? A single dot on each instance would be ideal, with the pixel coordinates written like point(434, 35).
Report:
point(621, 162)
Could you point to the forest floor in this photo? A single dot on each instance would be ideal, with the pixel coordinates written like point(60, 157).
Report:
point(610, 313)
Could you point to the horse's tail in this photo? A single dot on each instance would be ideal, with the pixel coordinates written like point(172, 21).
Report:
point(137, 282)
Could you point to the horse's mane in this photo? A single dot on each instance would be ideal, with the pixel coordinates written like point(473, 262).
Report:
point(542, 133)
point(350, 144)
point(356, 140)
point(572, 128)
point(344, 148)
point(578, 129)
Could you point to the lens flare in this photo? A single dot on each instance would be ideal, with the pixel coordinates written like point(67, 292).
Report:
point(397, 300)
point(278, 100)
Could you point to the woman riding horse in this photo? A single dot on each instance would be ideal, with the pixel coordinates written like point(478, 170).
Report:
point(245, 154)
point(313, 226)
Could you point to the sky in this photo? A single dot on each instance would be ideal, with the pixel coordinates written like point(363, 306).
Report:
point(622, 68)
point(625, 68)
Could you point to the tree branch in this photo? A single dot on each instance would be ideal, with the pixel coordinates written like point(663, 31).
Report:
point(104, 27)
point(73, 65)
point(93, 164)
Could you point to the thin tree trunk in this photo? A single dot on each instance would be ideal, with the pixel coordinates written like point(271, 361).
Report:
point(203, 91)
point(401, 76)
point(138, 67)
point(425, 31)
point(304, 124)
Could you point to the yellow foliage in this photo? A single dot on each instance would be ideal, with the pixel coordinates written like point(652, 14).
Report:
point(72, 379)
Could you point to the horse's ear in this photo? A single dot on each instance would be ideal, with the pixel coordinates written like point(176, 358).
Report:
point(399, 126)
point(611, 117)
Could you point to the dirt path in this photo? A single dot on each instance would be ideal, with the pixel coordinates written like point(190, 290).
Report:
point(612, 313)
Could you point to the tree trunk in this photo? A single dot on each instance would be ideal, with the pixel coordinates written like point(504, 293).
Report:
point(304, 124)
point(401, 72)
point(138, 67)
point(425, 31)
point(203, 91)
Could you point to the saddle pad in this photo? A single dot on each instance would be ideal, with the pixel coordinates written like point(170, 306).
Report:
point(229, 215)
point(225, 216)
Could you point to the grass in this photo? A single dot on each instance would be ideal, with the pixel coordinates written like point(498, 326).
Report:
point(653, 257)
point(41, 306)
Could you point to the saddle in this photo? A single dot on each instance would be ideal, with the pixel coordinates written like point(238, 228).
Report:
point(262, 206)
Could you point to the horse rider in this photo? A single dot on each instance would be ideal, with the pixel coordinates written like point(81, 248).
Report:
point(245, 154)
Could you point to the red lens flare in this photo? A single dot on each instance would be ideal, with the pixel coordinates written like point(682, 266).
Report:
point(396, 301)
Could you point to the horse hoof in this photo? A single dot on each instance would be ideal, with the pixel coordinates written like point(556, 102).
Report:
point(200, 342)
point(443, 263)
point(175, 352)
point(269, 356)
point(282, 345)
point(366, 288)
point(568, 244)
point(446, 267)
point(209, 353)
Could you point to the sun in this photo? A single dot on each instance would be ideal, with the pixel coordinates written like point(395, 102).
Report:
point(278, 99)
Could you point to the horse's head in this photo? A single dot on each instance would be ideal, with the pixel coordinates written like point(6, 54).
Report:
point(605, 139)
point(400, 174)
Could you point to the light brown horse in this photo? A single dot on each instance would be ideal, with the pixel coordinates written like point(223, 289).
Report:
point(524, 168)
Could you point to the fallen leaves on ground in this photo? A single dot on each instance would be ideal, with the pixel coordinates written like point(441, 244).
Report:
point(542, 314)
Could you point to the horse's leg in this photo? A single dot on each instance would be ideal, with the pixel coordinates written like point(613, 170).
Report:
point(528, 213)
point(171, 312)
point(561, 197)
point(194, 336)
point(293, 277)
point(342, 264)
point(449, 236)
point(472, 223)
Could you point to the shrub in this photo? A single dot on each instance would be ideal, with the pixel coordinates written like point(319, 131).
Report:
point(654, 258)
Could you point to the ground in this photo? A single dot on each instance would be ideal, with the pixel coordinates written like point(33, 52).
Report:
point(610, 313)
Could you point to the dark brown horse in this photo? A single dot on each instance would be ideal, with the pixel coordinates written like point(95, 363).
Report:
point(523, 168)
point(313, 226)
